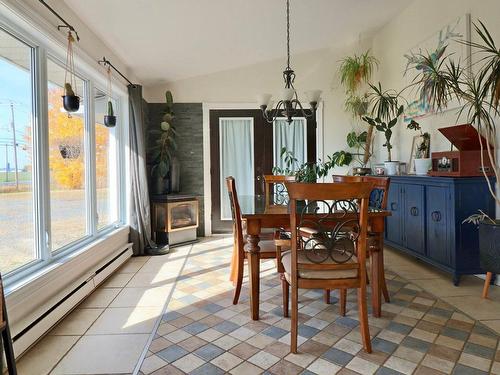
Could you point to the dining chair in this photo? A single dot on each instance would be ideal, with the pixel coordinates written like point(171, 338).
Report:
point(267, 247)
point(378, 200)
point(275, 188)
point(335, 256)
point(5, 337)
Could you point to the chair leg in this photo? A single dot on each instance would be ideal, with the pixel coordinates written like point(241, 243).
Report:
point(385, 292)
point(7, 344)
point(363, 319)
point(326, 296)
point(343, 298)
point(295, 319)
point(286, 294)
point(239, 281)
point(487, 282)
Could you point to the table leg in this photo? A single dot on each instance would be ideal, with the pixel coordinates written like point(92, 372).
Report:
point(252, 252)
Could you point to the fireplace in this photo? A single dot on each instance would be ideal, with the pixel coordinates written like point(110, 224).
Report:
point(174, 217)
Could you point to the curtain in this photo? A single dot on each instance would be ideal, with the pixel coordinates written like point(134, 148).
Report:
point(293, 137)
point(140, 220)
point(236, 159)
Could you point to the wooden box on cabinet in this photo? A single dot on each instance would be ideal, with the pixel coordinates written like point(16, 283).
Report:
point(426, 221)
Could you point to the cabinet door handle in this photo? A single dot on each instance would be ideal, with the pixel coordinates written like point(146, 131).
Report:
point(436, 216)
point(394, 206)
point(414, 211)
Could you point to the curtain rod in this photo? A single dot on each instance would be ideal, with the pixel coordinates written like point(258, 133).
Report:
point(105, 62)
point(66, 24)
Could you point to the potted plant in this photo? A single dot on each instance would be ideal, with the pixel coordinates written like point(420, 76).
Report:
point(384, 115)
point(489, 238)
point(355, 71)
point(71, 101)
point(109, 118)
point(161, 153)
point(358, 141)
point(422, 147)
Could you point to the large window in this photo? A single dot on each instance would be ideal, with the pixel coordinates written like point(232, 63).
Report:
point(66, 162)
point(59, 172)
point(17, 236)
point(106, 168)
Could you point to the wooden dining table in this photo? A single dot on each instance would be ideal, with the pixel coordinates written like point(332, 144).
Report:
point(259, 214)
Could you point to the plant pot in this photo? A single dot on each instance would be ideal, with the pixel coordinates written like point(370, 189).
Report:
point(391, 168)
point(422, 166)
point(175, 169)
point(71, 103)
point(159, 186)
point(361, 171)
point(109, 121)
point(489, 246)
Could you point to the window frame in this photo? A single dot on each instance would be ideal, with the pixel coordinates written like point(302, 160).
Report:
point(49, 46)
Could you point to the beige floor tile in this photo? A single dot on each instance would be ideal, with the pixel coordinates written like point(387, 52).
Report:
point(102, 297)
point(188, 363)
point(493, 324)
point(103, 354)
point(125, 320)
point(77, 322)
point(322, 367)
point(118, 280)
point(362, 366)
point(470, 360)
point(151, 364)
point(479, 308)
point(443, 287)
point(263, 359)
point(246, 368)
point(401, 365)
point(143, 297)
point(146, 279)
point(439, 364)
point(227, 361)
point(132, 266)
point(45, 355)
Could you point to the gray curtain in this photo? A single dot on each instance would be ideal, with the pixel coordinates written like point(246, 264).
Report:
point(140, 217)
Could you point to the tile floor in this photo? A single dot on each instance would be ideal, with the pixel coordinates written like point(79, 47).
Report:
point(430, 327)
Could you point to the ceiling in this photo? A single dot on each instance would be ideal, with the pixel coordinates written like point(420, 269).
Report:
point(167, 40)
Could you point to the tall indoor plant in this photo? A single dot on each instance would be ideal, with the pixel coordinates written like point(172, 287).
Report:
point(163, 148)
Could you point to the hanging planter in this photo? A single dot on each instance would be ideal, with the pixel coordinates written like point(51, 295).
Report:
point(110, 118)
point(71, 101)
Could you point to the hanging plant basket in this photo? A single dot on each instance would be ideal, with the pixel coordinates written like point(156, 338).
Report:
point(69, 151)
point(110, 118)
point(71, 101)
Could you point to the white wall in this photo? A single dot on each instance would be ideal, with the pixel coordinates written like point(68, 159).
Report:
point(317, 69)
point(416, 23)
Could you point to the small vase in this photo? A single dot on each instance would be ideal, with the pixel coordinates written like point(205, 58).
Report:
point(422, 166)
point(391, 168)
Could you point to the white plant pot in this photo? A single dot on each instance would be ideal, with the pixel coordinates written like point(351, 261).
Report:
point(391, 167)
point(422, 166)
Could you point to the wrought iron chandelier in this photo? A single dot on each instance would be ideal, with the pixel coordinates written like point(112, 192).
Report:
point(289, 106)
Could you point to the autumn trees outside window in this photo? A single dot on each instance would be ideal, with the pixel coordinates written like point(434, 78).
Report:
point(60, 173)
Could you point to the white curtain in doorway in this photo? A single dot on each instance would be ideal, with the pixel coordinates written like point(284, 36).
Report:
point(236, 159)
point(293, 137)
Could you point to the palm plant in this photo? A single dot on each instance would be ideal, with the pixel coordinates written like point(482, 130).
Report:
point(478, 93)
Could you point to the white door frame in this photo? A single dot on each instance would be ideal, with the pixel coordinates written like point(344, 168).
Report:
point(207, 187)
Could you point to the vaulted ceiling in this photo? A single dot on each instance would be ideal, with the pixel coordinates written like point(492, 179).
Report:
point(167, 40)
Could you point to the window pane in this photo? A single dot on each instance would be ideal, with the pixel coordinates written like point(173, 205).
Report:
point(66, 162)
point(106, 163)
point(16, 155)
point(293, 138)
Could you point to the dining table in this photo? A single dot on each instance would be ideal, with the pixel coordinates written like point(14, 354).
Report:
point(259, 213)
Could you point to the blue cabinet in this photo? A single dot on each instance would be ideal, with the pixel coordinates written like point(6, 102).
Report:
point(426, 222)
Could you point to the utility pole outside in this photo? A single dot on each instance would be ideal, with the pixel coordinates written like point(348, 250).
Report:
point(6, 162)
point(13, 125)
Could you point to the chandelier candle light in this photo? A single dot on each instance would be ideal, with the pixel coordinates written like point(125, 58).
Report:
point(289, 106)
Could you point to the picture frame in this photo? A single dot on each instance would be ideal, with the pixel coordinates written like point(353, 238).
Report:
point(417, 141)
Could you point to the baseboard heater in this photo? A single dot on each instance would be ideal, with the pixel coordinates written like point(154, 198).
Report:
point(40, 326)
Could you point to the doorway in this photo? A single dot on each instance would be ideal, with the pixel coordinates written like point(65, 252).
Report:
point(244, 145)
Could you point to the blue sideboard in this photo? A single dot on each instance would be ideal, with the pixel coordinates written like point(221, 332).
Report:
point(426, 222)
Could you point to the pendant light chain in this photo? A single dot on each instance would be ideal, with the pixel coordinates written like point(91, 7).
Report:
point(288, 32)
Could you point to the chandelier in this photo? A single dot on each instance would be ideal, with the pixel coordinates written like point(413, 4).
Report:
point(289, 106)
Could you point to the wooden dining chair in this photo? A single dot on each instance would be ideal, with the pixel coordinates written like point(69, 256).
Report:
point(5, 337)
point(335, 256)
point(378, 200)
point(267, 247)
point(275, 189)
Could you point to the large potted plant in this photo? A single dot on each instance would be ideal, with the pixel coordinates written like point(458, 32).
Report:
point(478, 92)
point(355, 74)
point(384, 116)
point(163, 147)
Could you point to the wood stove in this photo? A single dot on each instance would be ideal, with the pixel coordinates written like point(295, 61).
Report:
point(174, 217)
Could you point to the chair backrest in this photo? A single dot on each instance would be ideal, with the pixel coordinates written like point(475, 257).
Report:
point(378, 196)
point(337, 230)
point(275, 187)
point(235, 212)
